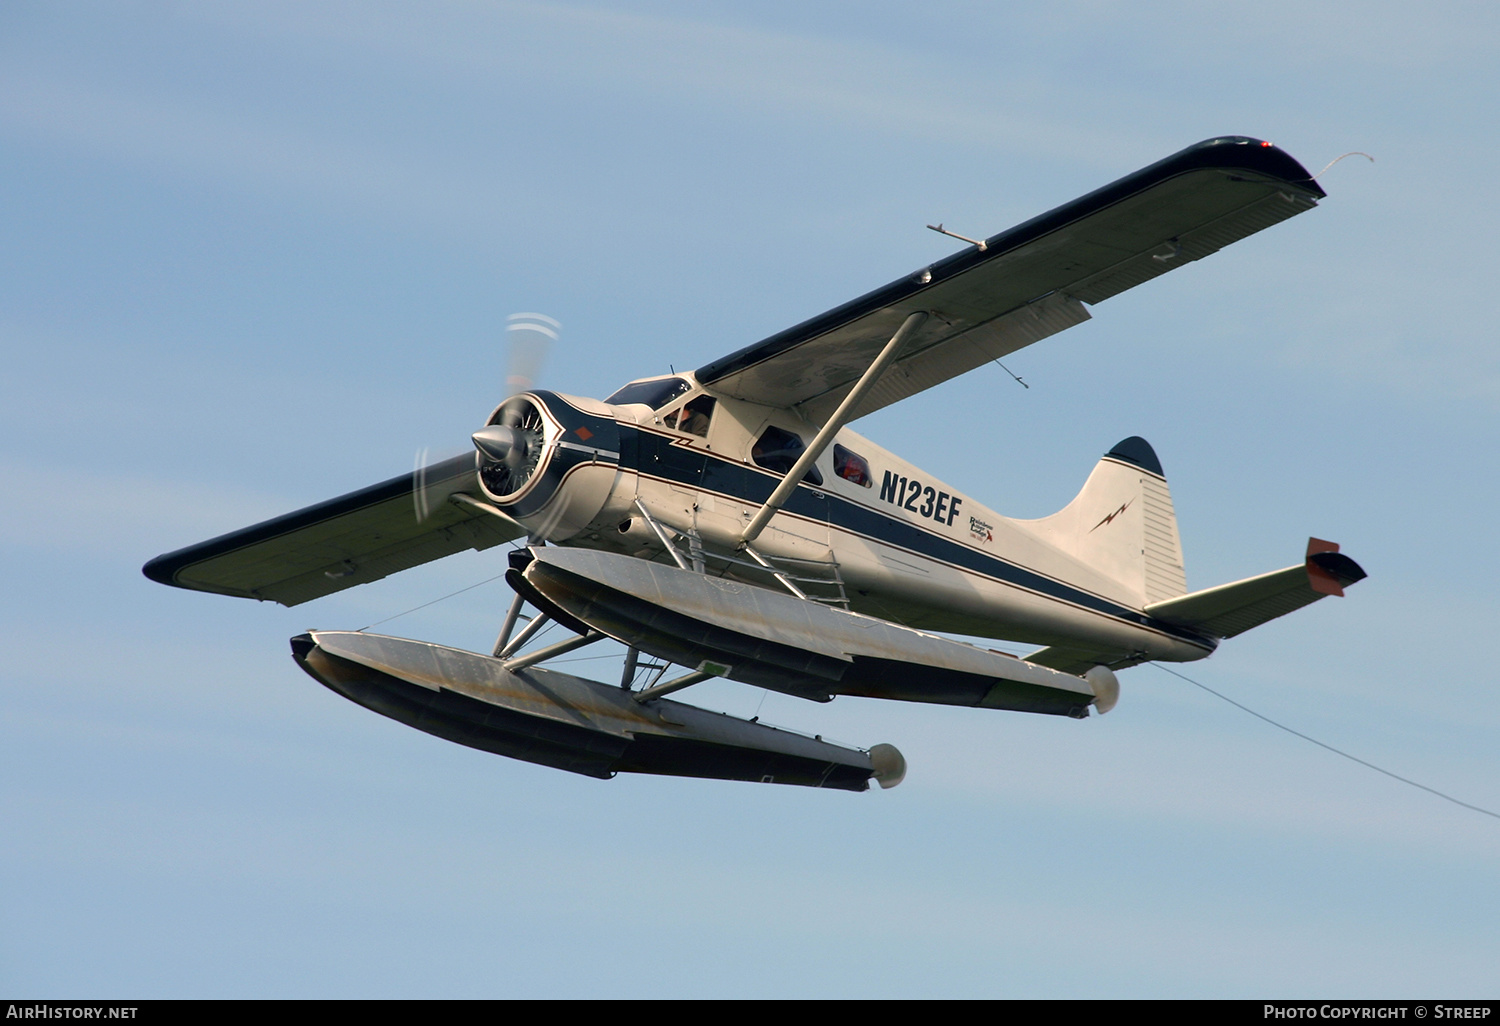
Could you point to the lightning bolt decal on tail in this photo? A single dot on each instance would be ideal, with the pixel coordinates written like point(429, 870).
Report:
point(1107, 519)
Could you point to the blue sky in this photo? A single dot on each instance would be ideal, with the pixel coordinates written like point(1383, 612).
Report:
point(257, 255)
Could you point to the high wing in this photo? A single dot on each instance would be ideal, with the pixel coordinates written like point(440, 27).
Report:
point(1026, 283)
point(354, 539)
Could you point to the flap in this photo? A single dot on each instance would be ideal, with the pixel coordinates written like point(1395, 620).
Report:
point(1026, 283)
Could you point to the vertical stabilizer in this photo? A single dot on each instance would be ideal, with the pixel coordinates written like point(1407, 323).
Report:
point(1122, 524)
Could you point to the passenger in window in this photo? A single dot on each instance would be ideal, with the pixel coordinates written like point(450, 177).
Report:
point(851, 466)
point(778, 450)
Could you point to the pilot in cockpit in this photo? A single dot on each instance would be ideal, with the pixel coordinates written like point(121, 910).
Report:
point(694, 417)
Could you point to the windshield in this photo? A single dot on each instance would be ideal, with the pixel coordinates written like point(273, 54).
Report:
point(655, 393)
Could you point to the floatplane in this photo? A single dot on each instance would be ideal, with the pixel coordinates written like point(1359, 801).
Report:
point(727, 521)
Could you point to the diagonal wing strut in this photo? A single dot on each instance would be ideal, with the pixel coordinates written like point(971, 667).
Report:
point(841, 416)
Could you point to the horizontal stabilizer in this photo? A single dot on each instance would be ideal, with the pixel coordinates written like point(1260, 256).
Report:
point(354, 539)
point(1232, 609)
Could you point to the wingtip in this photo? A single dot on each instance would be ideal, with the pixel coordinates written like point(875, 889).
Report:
point(1260, 155)
point(160, 570)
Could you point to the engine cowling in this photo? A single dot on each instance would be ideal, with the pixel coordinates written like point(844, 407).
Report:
point(549, 461)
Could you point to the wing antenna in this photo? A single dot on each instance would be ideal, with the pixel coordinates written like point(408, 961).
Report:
point(1012, 374)
point(983, 246)
point(1335, 160)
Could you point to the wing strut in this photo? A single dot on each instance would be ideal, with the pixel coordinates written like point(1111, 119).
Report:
point(841, 416)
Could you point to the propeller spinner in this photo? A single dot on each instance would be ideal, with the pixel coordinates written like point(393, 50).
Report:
point(508, 450)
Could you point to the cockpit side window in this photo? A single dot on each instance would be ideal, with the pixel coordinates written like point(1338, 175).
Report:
point(693, 417)
point(778, 450)
point(655, 394)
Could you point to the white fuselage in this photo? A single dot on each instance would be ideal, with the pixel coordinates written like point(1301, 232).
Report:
point(906, 547)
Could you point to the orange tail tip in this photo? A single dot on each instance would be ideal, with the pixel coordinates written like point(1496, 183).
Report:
point(1328, 571)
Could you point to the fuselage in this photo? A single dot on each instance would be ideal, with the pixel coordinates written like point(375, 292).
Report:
point(895, 542)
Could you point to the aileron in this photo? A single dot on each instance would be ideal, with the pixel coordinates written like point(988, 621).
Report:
point(351, 540)
point(1171, 213)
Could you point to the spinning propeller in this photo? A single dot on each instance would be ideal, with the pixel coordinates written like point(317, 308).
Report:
point(510, 449)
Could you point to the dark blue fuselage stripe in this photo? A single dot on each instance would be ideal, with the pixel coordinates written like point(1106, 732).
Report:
point(658, 457)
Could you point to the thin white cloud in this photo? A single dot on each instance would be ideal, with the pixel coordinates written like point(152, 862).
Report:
point(898, 94)
point(78, 509)
point(191, 140)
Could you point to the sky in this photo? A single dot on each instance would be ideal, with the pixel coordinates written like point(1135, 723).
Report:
point(258, 255)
